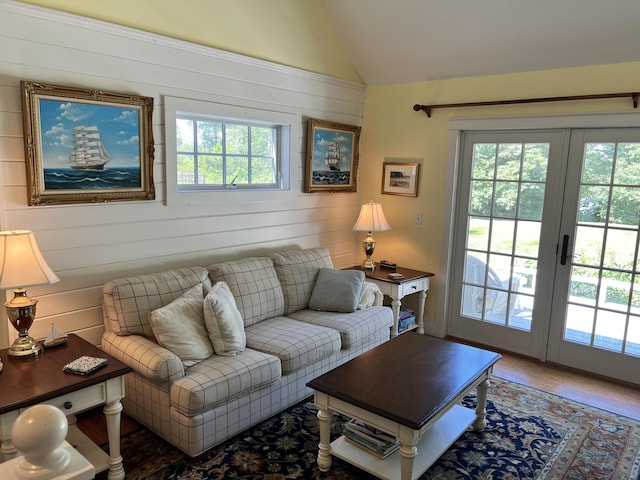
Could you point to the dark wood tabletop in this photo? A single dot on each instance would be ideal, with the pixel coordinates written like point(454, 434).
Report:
point(409, 379)
point(31, 380)
point(382, 273)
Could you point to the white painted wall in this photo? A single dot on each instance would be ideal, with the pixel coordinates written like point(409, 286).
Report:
point(87, 245)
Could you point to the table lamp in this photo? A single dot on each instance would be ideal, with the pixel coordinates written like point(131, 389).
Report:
point(371, 219)
point(21, 266)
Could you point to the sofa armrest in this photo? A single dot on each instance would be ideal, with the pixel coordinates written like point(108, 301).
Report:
point(371, 296)
point(155, 363)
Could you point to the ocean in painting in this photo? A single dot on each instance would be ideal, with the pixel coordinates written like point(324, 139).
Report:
point(109, 178)
point(330, 177)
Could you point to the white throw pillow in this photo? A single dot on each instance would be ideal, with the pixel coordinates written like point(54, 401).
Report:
point(179, 327)
point(223, 321)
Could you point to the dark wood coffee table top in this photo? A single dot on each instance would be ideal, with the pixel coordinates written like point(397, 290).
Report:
point(28, 381)
point(409, 379)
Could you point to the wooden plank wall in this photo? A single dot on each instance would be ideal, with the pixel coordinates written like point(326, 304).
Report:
point(89, 244)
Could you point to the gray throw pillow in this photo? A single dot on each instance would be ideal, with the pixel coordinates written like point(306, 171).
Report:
point(337, 290)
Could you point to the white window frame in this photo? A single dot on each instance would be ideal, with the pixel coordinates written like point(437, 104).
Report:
point(217, 111)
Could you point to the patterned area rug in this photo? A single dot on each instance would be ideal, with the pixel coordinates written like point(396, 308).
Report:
point(530, 435)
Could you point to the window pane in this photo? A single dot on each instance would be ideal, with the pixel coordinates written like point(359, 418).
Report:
point(262, 141)
point(185, 169)
point(598, 162)
point(209, 137)
point(238, 168)
point(210, 169)
point(481, 195)
point(509, 161)
point(262, 170)
point(184, 135)
point(484, 160)
point(237, 139)
point(628, 164)
point(534, 167)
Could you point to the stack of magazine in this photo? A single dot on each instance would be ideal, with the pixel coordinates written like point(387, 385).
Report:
point(374, 441)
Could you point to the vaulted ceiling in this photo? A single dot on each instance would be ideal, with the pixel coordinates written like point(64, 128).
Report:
point(398, 41)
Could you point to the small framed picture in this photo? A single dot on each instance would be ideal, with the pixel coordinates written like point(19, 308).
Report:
point(332, 157)
point(400, 179)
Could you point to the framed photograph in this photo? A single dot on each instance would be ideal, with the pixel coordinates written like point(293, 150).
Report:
point(86, 146)
point(332, 157)
point(400, 179)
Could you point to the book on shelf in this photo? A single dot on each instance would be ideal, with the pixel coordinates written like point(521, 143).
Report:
point(405, 323)
point(377, 442)
point(381, 454)
point(405, 313)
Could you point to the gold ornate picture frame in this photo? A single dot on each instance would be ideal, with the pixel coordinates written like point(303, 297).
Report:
point(400, 179)
point(332, 157)
point(86, 146)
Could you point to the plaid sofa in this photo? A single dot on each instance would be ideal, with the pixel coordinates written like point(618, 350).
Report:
point(197, 407)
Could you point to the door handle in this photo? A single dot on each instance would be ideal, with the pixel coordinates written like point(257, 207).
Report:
point(565, 246)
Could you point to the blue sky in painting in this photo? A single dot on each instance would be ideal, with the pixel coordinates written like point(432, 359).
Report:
point(321, 145)
point(118, 127)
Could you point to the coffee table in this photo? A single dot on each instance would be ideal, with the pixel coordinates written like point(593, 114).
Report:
point(410, 387)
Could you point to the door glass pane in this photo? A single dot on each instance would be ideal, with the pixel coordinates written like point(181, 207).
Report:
point(604, 264)
point(503, 232)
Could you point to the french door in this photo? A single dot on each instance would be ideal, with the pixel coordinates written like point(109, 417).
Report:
point(546, 246)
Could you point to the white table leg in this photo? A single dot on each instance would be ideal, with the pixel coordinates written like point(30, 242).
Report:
point(324, 447)
point(8, 450)
point(422, 298)
point(407, 454)
point(112, 414)
point(481, 411)
point(395, 308)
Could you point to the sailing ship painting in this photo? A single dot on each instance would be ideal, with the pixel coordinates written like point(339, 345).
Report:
point(88, 151)
point(89, 146)
point(333, 157)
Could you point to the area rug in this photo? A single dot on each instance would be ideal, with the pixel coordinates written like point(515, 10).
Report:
point(530, 435)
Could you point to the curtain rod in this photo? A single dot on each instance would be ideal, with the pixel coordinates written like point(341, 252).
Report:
point(428, 108)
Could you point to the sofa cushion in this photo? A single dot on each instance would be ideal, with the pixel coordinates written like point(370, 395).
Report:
point(129, 301)
point(337, 290)
point(179, 327)
point(218, 379)
point(297, 271)
point(223, 321)
point(255, 286)
point(296, 344)
point(354, 327)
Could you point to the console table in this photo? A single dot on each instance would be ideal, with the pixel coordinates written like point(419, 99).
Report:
point(413, 281)
point(39, 379)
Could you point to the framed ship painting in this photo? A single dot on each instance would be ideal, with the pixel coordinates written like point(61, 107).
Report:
point(86, 146)
point(332, 157)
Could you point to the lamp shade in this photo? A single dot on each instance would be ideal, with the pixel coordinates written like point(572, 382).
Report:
point(21, 263)
point(371, 218)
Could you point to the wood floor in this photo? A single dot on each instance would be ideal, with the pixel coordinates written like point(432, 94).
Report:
point(598, 392)
point(608, 395)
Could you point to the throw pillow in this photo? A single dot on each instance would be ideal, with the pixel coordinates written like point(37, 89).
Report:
point(337, 290)
point(179, 327)
point(223, 321)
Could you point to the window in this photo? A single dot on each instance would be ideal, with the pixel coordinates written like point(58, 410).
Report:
point(214, 153)
point(216, 147)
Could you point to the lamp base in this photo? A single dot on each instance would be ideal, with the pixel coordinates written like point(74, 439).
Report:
point(25, 347)
point(369, 264)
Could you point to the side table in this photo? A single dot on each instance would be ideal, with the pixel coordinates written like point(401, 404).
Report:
point(28, 381)
point(413, 281)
